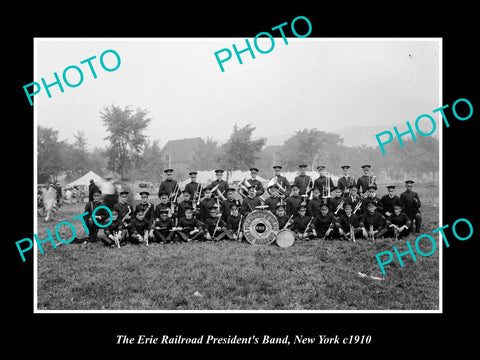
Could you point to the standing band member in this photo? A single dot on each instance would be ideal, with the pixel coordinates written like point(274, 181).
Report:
point(282, 180)
point(100, 215)
point(346, 181)
point(169, 186)
point(293, 201)
point(255, 182)
point(323, 182)
point(124, 209)
point(302, 180)
point(411, 205)
point(366, 180)
point(219, 186)
point(193, 185)
point(146, 206)
point(389, 201)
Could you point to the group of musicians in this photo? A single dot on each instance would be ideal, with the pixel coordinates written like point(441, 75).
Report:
point(309, 208)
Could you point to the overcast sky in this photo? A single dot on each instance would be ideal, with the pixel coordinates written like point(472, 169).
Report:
point(326, 84)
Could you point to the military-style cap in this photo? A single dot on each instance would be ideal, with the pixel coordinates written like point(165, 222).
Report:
point(163, 194)
point(345, 166)
point(320, 167)
point(352, 186)
point(279, 205)
point(302, 166)
point(166, 171)
point(230, 189)
point(409, 182)
point(219, 171)
point(372, 187)
point(300, 207)
point(295, 185)
point(234, 205)
point(139, 210)
point(124, 192)
point(211, 208)
point(347, 205)
point(371, 203)
point(398, 205)
point(324, 205)
point(184, 191)
point(96, 191)
point(277, 167)
point(316, 188)
point(192, 173)
point(163, 211)
point(366, 166)
point(254, 169)
point(91, 180)
point(144, 192)
point(188, 207)
point(390, 187)
point(255, 186)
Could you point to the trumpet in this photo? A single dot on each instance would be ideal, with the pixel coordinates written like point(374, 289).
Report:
point(173, 195)
point(371, 231)
point(352, 233)
point(116, 238)
point(145, 237)
point(357, 207)
point(339, 206)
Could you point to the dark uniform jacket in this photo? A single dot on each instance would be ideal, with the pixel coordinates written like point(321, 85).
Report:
point(226, 207)
point(158, 208)
point(192, 187)
point(115, 226)
point(210, 224)
point(150, 213)
point(363, 183)
point(344, 183)
point(272, 203)
point(376, 219)
point(205, 204)
point(233, 222)
point(282, 180)
point(345, 221)
point(249, 204)
point(123, 210)
point(399, 220)
point(222, 186)
point(258, 186)
point(354, 201)
point(188, 225)
point(321, 182)
point(388, 203)
point(293, 202)
point(321, 223)
point(302, 182)
point(375, 200)
point(163, 226)
point(313, 207)
point(167, 187)
point(333, 204)
point(182, 206)
point(410, 202)
point(90, 206)
point(137, 226)
point(282, 220)
point(300, 223)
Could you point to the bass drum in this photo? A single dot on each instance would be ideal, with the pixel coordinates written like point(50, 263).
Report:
point(260, 227)
point(285, 238)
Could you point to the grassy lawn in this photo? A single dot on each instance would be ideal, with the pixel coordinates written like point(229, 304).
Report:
point(310, 275)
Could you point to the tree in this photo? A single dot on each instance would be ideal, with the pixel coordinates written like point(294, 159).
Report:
point(126, 136)
point(240, 152)
point(205, 156)
point(49, 153)
point(150, 165)
point(76, 156)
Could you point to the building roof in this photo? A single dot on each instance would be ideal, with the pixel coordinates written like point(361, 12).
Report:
point(180, 149)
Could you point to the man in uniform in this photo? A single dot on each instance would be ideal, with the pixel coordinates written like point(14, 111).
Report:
point(250, 203)
point(274, 199)
point(389, 200)
point(192, 186)
point(301, 224)
point(346, 181)
point(219, 184)
point(100, 216)
point(348, 222)
point(303, 180)
point(336, 202)
point(411, 205)
point(162, 231)
point(188, 227)
point(124, 209)
point(313, 205)
point(228, 202)
point(91, 188)
point(184, 204)
point(282, 180)
point(293, 201)
point(284, 221)
point(372, 197)
point(321, 181)
point(168, 186)
point(234, 223)
point(323, 223)
point(398, 223)
point(146, 206)
point(354, 199)
point(257, 183)
point(205, 204)
point(162, 205)
point(373, 223)
point(365, 180)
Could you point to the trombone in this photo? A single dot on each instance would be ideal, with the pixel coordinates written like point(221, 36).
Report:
point(326, 188)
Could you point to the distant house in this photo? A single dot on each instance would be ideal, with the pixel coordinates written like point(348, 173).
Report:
point(177, 153)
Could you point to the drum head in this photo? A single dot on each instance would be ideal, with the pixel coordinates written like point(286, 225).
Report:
point(260, 227)
point(285, 238)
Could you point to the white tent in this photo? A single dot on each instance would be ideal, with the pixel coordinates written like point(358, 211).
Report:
point(85, 179)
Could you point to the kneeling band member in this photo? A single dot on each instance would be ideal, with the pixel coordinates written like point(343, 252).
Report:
point(140, 229)
point(233, 228)
point(398, 223)
point(323, 224)
point(348, 222)
point(214, 225)
point(373, 223)
point(115, 231)
point(302, 224)
point(188, 227)
point(162, 231)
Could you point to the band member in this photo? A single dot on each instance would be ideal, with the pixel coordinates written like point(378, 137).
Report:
point(347, 222)
point(282, 180)
point(206, 203)
point(323, 182)
point(346, 181)
point(373, 223)
point(301, 224)
point(371, 196)
point(336, 202)
point(184, 204)
point(366, 180)
point(251, 201)
point(302, 180)
point(124, 209)
point(355, 200)
point(313, 205)
point(293, 201)
point(233, 228)
point(219, 184)
point(188, 227)
point(228, 202)
point(169, 186)
point(100, 216)
point(91, 188)
point(398, 223)
point(284, 221)
point(214, 226)
point(116, 228)
point(255, 182)
point(274, 199)
point(411, 205)
point(139, 228)
point(163, 227)
point(389, 200)
point(162, 205)
point(323, 224)
point(146, 206)
point(193, 185)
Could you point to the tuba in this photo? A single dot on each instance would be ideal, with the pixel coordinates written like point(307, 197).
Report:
point(243, 187)
point(274, 182)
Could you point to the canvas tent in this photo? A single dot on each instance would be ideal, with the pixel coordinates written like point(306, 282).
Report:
point(85, 179)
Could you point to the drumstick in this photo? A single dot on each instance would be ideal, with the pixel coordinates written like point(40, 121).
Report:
point(285, 226)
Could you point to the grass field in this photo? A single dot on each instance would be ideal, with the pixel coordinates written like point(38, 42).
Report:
point(310, 275)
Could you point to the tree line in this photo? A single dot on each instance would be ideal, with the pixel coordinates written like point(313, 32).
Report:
point(131, 154)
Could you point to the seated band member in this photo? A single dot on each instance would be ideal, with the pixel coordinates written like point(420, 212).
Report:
point(163, 227)
point(347, 222)
point(389, 201)
point(274, 199)
point(206, 202)
point(323, 224)
point(336, 202)
point(398, 223)
point(140, 228)
point(115, 230)
point(293, 201)
point(188, 227)
point(301, 224)
point(373, 223)
point(250, 203)
point(124, 209)
point(233, 228)
point(355, 200)
point(371, 196)
point(313, 205)
point(214, 225)
point(284, 221)
point(228, 202)
point(146, 206)
point(184, 204)
point(162, 205)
